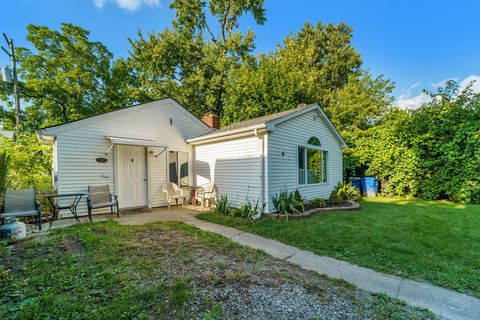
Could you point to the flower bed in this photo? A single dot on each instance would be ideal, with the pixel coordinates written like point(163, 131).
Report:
point(348, 205)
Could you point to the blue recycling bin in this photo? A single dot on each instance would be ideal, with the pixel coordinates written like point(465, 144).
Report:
point(369, 187)
point(356, 182)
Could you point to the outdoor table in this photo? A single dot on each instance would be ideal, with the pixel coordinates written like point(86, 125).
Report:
point(193, 194)
point(56, 207)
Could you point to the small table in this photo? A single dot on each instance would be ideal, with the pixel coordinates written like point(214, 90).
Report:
point(72, 206)
point(193, 194)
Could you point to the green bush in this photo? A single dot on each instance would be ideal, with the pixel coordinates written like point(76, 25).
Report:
point(287, 203)
point(432, 152)
point(316, 203)
point(247, 210)
point(347, 191)
point(29, 163)
point(335, 198)
point(223, 205)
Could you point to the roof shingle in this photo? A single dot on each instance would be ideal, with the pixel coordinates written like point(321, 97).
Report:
point(259, 120)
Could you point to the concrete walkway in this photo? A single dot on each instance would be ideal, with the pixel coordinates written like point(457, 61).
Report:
point(443, 302)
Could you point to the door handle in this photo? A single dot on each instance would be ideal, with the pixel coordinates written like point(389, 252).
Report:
point(145, 179)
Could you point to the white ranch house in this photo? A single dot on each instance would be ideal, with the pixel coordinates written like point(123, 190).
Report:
point(135, 150)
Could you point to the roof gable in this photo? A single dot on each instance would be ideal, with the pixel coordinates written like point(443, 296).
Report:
point(313, 107)
point(53, 130)
point(269, 122)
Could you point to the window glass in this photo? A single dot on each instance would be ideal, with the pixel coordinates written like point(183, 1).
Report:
point(324, 165)
point(178, 168)
point(314, 173)
point(314, 141)
point(312, 165)
point(301, 165)
point(183, 163)
point(173, 166)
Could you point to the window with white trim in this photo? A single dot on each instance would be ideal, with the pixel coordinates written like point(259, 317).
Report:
point(312, 163)
point(178, 168)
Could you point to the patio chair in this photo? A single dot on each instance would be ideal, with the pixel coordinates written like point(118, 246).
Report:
point(173, 193)
point(206, 194)
point(100, 197)
point(22, 203)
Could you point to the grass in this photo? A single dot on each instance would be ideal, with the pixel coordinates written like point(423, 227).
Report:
point(434, 241)
point(157, 271)
point(97, 271)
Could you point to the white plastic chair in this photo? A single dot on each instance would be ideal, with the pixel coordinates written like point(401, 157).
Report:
point(206, 194)
point(173, 192)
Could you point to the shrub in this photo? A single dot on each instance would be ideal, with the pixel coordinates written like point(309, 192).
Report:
point(334, 198)
point(316, 203)
point(300, 200)
point(29, 163)
point(347, 191)
point(247, 210)
point(223, 205)
point(287, 203)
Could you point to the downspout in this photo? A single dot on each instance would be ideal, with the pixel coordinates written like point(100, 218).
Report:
point(262, 173)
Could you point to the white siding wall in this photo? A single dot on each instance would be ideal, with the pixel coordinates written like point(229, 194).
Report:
point(282, 170)
point(234, 166)
point(157, 176)
point(78, 147)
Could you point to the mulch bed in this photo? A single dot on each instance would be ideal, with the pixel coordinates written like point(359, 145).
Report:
point(348, 205)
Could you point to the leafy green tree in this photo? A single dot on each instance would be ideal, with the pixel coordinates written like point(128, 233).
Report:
point(191, 60)
point(384, 151)
point(432, 152)
point(29, 163)
point(446, 136)
point(66, 77)
point(309, 66)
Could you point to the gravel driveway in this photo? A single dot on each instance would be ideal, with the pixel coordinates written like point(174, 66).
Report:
point(233, 282)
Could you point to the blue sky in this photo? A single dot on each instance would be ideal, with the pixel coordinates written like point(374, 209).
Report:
point(417, 44)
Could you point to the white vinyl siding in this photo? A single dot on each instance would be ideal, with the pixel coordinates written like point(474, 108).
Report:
point(79, 146)
point(234, 166)
point(157, 176)
point(283, 145)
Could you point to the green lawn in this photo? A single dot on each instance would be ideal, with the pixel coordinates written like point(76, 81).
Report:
point(162, 271)
point(434, 241)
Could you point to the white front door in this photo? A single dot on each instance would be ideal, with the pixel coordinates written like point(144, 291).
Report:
point(132, 176)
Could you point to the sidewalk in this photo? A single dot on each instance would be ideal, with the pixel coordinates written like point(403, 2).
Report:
point(443, 302)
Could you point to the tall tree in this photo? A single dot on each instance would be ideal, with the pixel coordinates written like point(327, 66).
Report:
point(191, 60)
point(309, 66)
point(67, 76)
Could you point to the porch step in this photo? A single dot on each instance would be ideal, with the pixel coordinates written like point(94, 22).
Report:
point(135, 210)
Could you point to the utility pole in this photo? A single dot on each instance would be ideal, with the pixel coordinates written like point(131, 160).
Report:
point(11, 54)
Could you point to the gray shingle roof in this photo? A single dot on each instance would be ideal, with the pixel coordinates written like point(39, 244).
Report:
point(259, 120)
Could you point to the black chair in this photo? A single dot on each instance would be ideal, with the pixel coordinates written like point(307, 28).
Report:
point(22, 203)
point(100, 197)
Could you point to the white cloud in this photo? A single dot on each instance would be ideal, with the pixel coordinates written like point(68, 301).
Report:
point(442, 83)
point(466, 82)
point(129, 5)
point(409, 101)
point(99, 3)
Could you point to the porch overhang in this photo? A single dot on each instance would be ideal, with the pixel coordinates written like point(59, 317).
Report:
point(134, 142)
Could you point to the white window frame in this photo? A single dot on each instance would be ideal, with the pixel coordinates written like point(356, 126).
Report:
point(321, 149)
